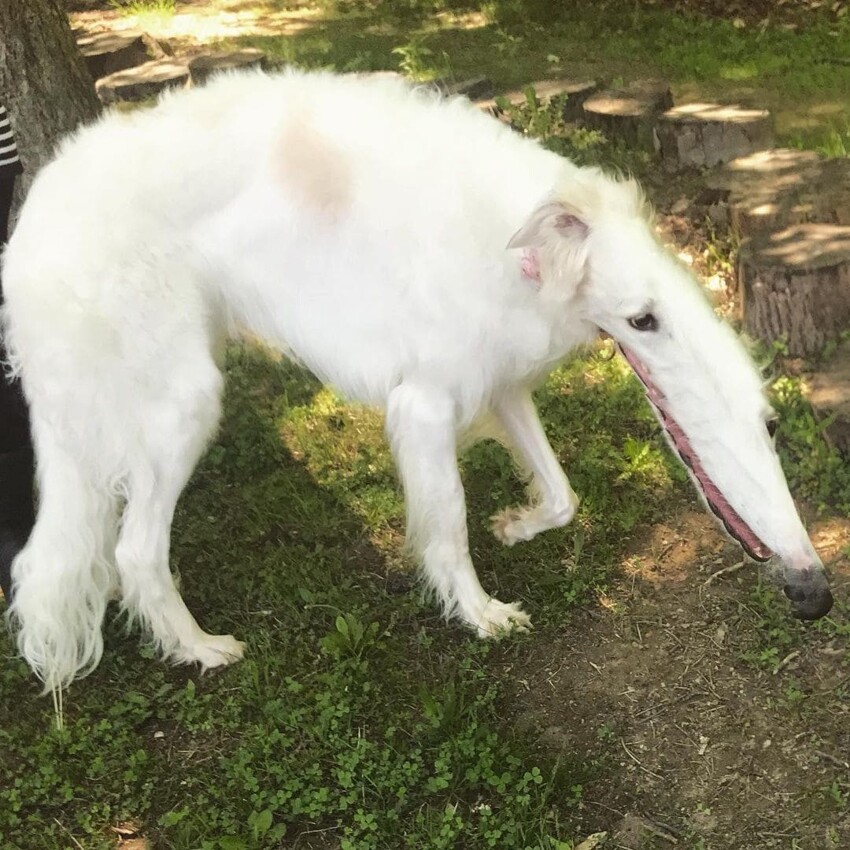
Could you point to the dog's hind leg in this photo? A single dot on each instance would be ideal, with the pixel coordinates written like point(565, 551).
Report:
point(553, 501)
point(64, 575)
point(422, 430)
point(178, 429)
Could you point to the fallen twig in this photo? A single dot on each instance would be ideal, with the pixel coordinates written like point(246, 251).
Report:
point(724, 572)
point(832, 759)
point(657, 831)
point(638, 762)
point(786, 661)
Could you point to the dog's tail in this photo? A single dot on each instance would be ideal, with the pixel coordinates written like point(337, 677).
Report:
point(65, 575)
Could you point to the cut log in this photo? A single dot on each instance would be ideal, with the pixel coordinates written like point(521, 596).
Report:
point(108, 52)
point(699, 135)
point(577, 92)
point(629, 114)
point(201, 68)
point(828, 391)
point(143, 81)
point(795, 283)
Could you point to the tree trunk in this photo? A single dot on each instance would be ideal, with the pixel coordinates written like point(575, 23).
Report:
point(44, 83)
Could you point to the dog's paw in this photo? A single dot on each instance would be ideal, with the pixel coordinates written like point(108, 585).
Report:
point(501, 618)
point(513, 525)
point(216, 651)
point(508, 526)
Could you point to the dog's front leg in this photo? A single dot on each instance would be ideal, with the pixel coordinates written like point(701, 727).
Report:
point(422, 428)
point(553, 501)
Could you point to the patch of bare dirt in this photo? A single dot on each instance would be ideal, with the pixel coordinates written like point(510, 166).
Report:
point(695, 746)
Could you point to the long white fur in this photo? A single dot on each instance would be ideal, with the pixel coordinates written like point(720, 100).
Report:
point(361, 227)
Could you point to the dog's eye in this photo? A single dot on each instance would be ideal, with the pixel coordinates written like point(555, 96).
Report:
point(646, 322)
point(772, 425)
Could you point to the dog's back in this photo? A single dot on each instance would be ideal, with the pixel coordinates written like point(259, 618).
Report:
point(353, 222)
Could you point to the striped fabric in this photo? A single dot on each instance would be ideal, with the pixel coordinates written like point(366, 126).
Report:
point(10, 163)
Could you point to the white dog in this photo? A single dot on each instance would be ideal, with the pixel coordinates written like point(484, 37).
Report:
point(412, 252)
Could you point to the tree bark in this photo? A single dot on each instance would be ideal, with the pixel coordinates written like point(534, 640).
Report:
point(44, 83)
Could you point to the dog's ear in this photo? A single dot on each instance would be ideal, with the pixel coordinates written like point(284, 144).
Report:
point(548, 224)
point(556, 237)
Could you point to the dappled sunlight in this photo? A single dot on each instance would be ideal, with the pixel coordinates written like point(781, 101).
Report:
point(341, 447)
point(772, 161)
point(831, 538)
point(202, 21)
point(739, 72)
point(672, 552)
point(807, 245)
point(727, 113)
point(809, 117)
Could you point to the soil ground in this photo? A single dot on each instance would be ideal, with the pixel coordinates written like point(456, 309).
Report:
point(709, 750)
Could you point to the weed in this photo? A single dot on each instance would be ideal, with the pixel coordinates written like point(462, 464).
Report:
point(349, 637)
point(419, 62)
point(544, 121)
point(815, 470)
point(145, 10)
point(772, 635)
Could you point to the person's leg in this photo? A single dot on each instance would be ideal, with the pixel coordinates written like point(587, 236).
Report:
point(7, 190)
point(16, 456)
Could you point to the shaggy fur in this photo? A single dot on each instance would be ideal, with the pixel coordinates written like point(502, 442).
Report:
point(360, 227)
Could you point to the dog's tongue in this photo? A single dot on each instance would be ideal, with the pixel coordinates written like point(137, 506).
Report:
point(717, 502)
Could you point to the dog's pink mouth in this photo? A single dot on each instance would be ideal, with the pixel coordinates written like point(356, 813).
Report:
point(720, 507)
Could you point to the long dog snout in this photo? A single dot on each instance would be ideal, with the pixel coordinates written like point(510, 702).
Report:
point(809, 593)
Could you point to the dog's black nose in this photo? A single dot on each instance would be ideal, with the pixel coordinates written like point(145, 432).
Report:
point(810, 595)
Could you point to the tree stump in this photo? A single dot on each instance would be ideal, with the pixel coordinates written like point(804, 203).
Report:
point(796, 283)
point(698, 135)
point(761, 190)
point(828, 391)
point(628, 114)
point(577, 92)
point(201, 68)
point(143, 81)
point(106, 53)
point(769, 190)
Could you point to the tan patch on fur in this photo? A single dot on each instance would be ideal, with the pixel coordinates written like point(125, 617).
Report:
point(312, 169)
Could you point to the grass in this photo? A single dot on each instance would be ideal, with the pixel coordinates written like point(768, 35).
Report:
point(357, 715)
point(358, 719)
point(147, 12)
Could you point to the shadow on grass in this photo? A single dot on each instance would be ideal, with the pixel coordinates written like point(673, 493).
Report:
point(355, 712)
